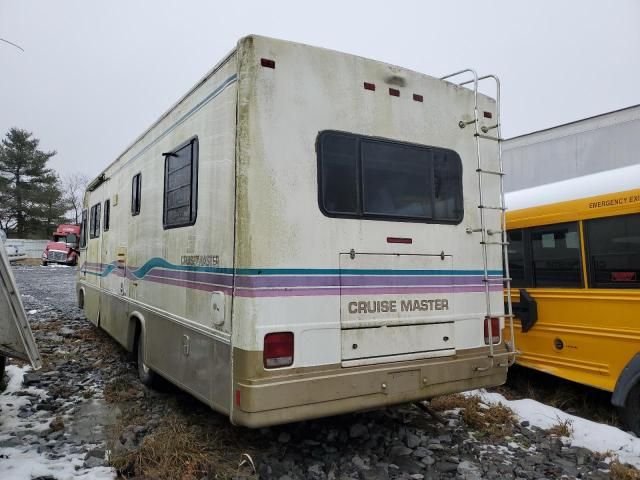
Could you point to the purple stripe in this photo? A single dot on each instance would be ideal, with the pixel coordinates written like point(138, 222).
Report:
point(305, 292)
point(356, 280)
point(203, 277)
point(191, 285)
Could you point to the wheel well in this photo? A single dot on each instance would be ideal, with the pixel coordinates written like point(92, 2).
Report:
point(135, 329)
point(629, 377)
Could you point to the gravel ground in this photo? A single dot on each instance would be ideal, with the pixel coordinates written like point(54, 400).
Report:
point(90, 402)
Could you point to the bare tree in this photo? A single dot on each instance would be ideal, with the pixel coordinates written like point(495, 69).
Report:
point(74, 186)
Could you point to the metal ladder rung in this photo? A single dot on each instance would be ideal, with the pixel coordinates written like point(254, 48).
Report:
point(491, 207)
point(494, 243)
point(490, 172)
point(488, 137)
point(496, 280)
point(488, 231)
point(503, 315)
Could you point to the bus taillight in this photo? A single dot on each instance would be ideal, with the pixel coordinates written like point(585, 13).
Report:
point(278, 349)
point(495, 330)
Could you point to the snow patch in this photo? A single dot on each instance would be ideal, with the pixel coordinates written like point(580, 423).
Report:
point(594, 436)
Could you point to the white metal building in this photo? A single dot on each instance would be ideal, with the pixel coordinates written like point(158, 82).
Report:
point(583, 147)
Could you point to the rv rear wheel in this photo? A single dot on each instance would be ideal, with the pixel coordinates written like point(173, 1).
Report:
point(146, 375)
point(630, 413)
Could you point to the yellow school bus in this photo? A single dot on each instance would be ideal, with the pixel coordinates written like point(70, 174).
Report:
point(574, 257)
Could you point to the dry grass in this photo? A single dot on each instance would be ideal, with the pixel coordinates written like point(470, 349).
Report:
point(494, 421)
point(179, 449)
point(619, 471)
point(29, 262)
point(563, 428)
point(120, 390)
point(56, 424)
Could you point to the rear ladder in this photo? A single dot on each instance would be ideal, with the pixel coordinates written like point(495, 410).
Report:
point(483, 133)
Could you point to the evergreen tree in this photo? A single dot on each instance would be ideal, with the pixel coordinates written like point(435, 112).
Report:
point(30, 195)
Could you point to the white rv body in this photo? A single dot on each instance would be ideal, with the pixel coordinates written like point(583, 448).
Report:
point(380, 311)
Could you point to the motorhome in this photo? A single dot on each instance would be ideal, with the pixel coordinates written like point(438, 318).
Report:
point(306, 233)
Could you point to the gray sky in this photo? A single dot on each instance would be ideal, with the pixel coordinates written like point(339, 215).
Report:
point(94, 75)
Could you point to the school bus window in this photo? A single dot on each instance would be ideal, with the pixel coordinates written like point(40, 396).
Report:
point(555, 251)
point(613, 245)
point(181, 185)
point(371, 178)
point(516, 258)
point(136, 184)
point(83, 230)
point(94, 221)
point(107, 215)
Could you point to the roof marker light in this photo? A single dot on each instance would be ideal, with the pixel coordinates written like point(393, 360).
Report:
point(265, 62)
point(488, 115)
point(394, 92)
point(370, 86)
point(399, 240)
point(418, 98)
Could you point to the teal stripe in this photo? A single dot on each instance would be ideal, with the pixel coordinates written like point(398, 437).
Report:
point(158, 262)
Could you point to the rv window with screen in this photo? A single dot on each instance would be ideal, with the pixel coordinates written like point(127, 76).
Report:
point(181, 185)
point(83, 230)
point(362, 177)
point(107, 215)
point(94, 221)
point(135, 193)
point(555, 252)
point(516, 258)
point(613, 246)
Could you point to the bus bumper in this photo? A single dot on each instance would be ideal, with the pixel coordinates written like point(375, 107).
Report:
point(307, 393)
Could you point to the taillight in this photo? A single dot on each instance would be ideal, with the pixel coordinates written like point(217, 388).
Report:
point(278, 349)
point(495, 330)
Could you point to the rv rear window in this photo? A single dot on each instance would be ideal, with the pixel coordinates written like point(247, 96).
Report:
point(94, 221)
point(181, 185)
point(371, 178)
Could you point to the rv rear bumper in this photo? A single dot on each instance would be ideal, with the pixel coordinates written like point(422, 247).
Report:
point(331, 390)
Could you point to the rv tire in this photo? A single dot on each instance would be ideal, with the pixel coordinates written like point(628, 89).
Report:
point(44, 264)
point(630, 413)
point(147, 376)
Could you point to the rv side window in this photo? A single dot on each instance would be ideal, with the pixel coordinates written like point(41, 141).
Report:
point(555, 251)
point(94, 221)
point(135, 194)
point(371, 178)
point(181, 185)
point(83, 230)
point(613, 246)
point(517, 258)
point(107, 215)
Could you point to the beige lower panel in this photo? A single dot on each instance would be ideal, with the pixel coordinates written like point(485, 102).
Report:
point(333, 390)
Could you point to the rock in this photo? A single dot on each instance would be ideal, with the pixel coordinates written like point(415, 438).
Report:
point(358, 431)
point(30, 379)
point(525, 423)
point(375, 473)
point(446, 467)
point(412, 440)
point(284, 437)
point(66, 332)
point(469, 471)
point(399, 451)
point(407, 464)
point(359, 463)
point(93, 462)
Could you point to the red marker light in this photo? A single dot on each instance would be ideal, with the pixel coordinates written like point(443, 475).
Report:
point(488, 115)
point(394, 92)
point(399, 240)
point(238, 398)
point(265, 62)
point(278, 349)
point(417, 98)
point(369, 86)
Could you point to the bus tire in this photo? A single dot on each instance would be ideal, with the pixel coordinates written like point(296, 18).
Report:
point(630, 413)
point(147, 376)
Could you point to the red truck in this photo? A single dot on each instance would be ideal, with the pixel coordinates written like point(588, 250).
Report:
point(64, 246)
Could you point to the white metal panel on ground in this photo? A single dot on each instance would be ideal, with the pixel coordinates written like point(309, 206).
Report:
point(16, 339)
